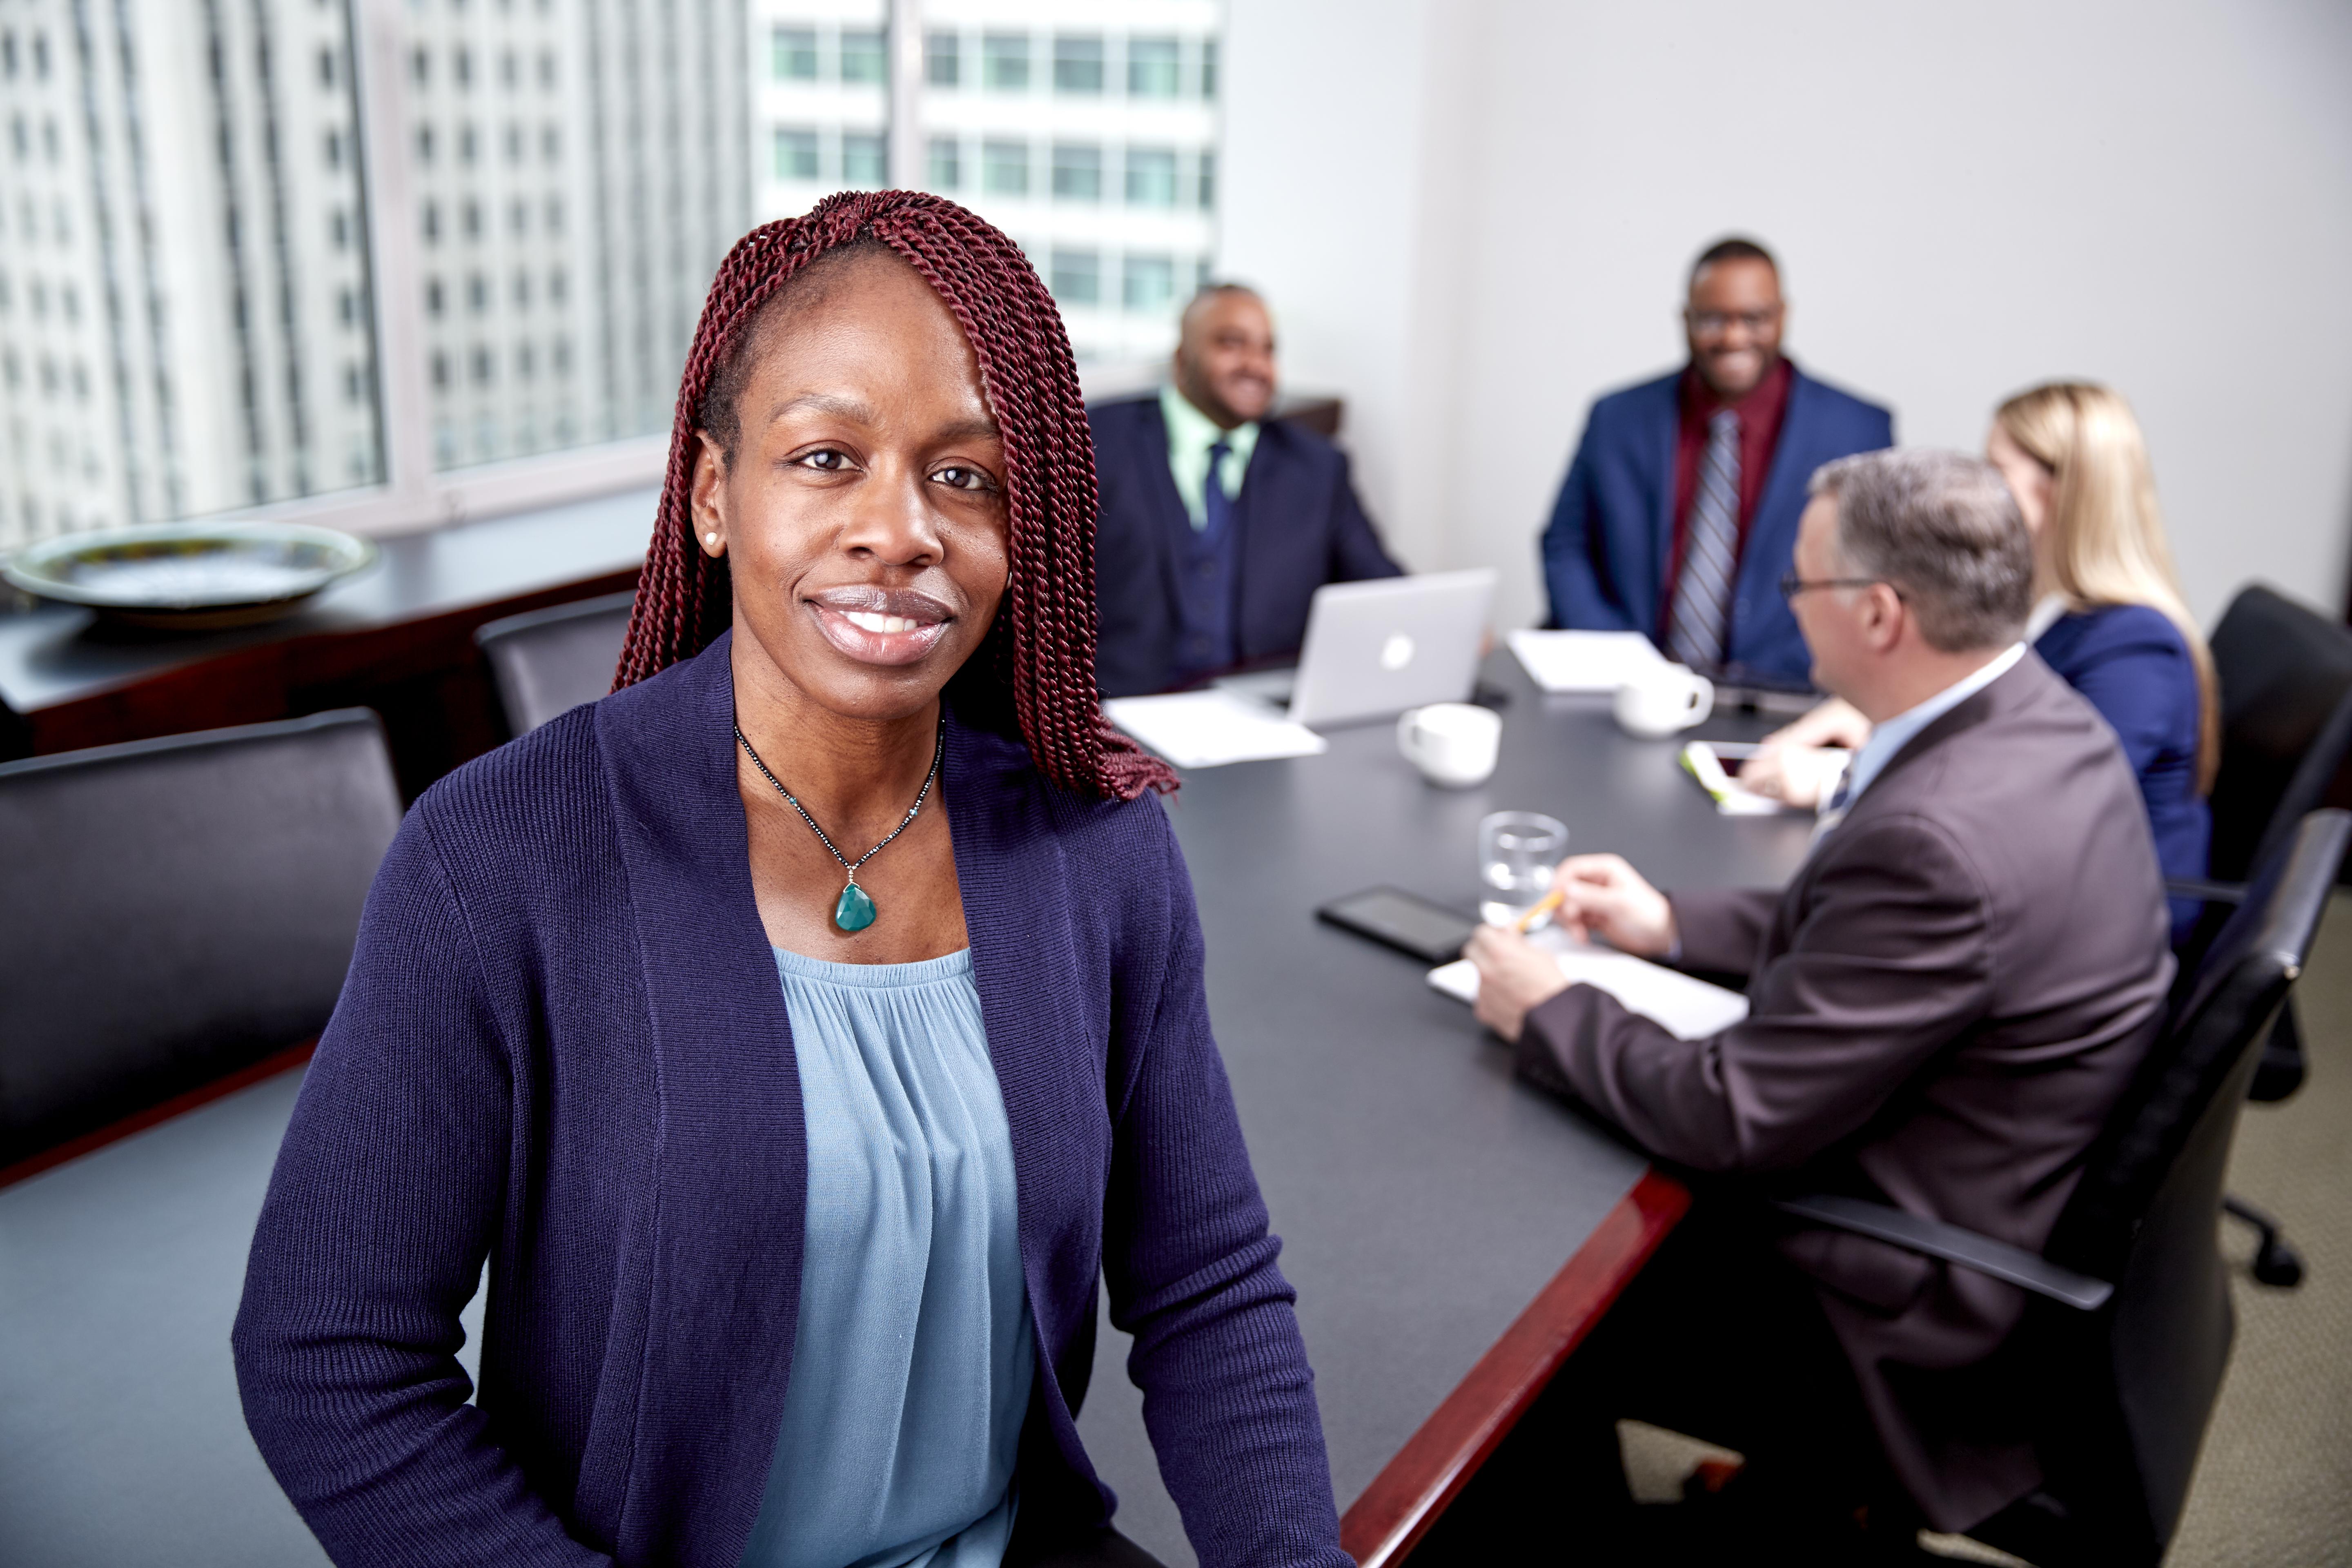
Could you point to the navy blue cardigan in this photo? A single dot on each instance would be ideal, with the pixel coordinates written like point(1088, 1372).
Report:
point(2133, 665)
point(563, 1045)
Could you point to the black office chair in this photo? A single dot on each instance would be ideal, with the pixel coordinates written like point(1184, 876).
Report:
point(2285, 674)
point(550, 661)
point(2128, 1323)
point(171, 911)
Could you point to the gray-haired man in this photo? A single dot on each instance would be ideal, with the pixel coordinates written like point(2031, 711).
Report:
point(1944, 1005)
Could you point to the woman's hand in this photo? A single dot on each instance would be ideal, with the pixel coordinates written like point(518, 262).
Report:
point(1515, 977)
point(1835, 722)
point(1792, 768)
point(1793, 776)
point(1603, 895)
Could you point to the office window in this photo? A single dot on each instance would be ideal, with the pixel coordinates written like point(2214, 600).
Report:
point(1208, 181)
point(792, 52)
point(795, 154)
point(1004, 168)
point(1076, 276)
point(865, 159)
point(944, 170)
point(1150, 283)
point(1077, 172)
point(1151, 176)
point(1005, 62)
point(861, 55)
point(1209, 68)
point(1151, 68)
point(1077, 64)
point(942, 60)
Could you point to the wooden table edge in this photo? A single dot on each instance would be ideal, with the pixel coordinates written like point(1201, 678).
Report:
point(1415, 1488)
point(49, 1159)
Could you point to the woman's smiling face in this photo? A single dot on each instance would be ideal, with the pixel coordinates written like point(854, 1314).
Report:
point(862, 511)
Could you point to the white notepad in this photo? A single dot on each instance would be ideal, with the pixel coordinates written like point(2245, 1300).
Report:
point(1209, 729)
point(1688, 1009)
point(1583, 661)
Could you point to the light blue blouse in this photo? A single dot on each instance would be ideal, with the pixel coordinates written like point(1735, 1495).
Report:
point(914, 1363)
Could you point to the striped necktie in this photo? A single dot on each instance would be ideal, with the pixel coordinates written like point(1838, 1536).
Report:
point(1710, 549)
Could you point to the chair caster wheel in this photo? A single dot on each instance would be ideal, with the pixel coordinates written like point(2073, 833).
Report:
point(2278, 1265)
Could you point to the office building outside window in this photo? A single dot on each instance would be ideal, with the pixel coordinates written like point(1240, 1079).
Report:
point(390, 261)
point(1079, 65)
point(1093, 146)
point(176, 245)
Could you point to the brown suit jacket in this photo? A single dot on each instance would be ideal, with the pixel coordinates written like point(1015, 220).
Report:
point(1944, 1003)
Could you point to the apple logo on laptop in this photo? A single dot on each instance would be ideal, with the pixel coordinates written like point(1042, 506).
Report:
point(1396, 653)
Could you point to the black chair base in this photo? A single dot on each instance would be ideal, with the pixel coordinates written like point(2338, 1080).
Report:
point(2276, 1264)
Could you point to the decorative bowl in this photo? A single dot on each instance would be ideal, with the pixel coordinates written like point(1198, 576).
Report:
point(190, 576)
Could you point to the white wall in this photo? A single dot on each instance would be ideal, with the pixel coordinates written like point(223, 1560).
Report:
point(1473, 216)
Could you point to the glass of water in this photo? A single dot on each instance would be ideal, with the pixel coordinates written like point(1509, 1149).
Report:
point(1516, 853)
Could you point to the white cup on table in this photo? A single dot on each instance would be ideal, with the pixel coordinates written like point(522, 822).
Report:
point(1453, 743)
point(1663, 701)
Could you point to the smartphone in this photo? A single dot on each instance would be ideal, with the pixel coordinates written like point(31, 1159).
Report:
point(1397, 918)
point(1732, 755)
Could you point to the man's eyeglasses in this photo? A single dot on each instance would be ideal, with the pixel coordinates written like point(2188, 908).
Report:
point(1711, 323)
point(1791, 584)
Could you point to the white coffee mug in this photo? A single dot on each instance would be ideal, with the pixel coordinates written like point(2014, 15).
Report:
point(1663, 700)
point(1453, 743)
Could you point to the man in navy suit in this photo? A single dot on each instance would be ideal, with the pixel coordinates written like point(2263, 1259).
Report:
point(1680, 511)
point(1217, 524)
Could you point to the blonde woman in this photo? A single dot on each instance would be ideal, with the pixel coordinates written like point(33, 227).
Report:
point(2108, 617)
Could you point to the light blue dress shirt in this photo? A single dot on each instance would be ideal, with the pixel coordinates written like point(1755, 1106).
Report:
point(1895, 733)
point(1191, 433)
point(913, 1367)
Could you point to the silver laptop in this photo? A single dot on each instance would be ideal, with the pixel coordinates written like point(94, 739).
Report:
point(1374, 649)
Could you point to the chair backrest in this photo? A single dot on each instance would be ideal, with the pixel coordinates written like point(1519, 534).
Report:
point(550, 661)
point(2286, 673)
point(2149, 1205)
point(173, 910)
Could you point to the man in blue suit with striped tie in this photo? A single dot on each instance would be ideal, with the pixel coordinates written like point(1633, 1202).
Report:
point(1680, 510)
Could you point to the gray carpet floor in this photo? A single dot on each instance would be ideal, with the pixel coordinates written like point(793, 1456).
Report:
point(2274, 1485)
point(2274, 1482)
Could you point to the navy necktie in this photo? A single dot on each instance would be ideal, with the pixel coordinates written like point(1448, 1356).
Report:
point(1216, 507)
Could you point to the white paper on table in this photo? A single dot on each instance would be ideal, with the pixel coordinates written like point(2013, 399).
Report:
point(1209, 729)
point(1583, 661)
point(1688, 1009)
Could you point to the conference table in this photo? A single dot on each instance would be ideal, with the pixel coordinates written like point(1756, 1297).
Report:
point(1451, 1233)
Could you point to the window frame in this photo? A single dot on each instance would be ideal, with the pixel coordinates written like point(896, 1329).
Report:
point(412, 495)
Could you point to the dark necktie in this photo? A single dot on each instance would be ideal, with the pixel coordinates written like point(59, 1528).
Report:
point(1710, 549)
point(1216, 507)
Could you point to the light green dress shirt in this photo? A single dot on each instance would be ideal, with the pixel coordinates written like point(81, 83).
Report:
point(1191, 433)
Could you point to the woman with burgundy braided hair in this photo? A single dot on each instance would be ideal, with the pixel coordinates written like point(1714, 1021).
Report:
point(800, 1031)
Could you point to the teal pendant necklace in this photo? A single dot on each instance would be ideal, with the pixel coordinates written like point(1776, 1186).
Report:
point(853, 910)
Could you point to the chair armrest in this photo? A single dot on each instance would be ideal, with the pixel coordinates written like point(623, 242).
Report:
point(2211, 893)
point(1953, 1243)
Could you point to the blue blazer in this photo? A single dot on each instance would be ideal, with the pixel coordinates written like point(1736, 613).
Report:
point(1301, 523)
point(1605, 549)
point(563, 1045)
point(2131, 664)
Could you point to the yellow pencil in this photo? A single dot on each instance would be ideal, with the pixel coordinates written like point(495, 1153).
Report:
point(1549, 902)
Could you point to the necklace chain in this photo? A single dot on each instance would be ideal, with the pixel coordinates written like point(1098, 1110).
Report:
point(939, 748)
